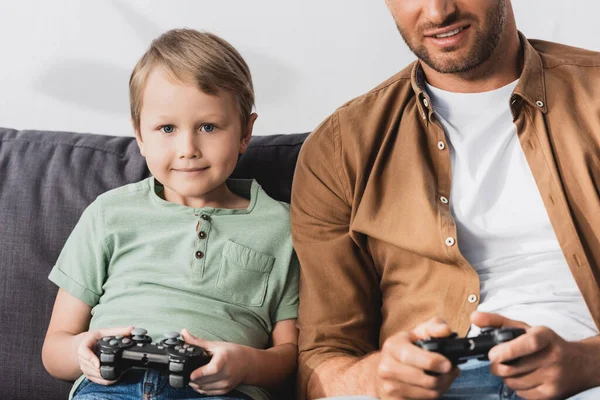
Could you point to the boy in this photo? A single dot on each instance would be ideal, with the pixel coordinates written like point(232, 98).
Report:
point(187, 249)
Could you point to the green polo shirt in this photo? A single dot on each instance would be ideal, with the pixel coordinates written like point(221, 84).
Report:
point(224, 274)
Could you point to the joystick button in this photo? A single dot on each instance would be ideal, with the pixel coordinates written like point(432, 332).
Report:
point(113, 342)
point(178, 347)
point(176, 381)
point(139, 331)
point(108, 372)
point(118, 337)
point(181, 351)
point(126, 341)
point(108, 358)
point(106, 339)
point(185, 346)
point(175, 367)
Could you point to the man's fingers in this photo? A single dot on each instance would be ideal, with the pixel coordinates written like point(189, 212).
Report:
point(405, 352)
point(483, 319)
point(533, 341)
point(412, 376)
point(435, 327)
point(522, 366)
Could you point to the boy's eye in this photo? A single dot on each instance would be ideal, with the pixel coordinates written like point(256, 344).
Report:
point(167, 128)
point(207, 128)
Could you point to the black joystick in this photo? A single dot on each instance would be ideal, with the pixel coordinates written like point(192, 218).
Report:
point(172, 355)
point(460, 350)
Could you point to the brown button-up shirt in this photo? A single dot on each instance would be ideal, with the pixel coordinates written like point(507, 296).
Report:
point(370, 229)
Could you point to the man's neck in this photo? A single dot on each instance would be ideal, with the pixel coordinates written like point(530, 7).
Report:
point(503, 67)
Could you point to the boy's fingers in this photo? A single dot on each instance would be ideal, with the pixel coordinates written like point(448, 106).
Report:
point(205, 372)
point(100, 381)
point(85, 353)
point(122, 331)
point(191, 339)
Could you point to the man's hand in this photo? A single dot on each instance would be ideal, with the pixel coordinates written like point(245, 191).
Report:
point(88, 361)
point(402, 365)
point(226, 369)
point(546, 366)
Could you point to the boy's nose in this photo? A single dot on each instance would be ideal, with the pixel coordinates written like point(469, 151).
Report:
point(187, 146)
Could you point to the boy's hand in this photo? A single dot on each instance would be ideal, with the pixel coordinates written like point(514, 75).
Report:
point(86, 343)
point(402, 365)
point(226, 369)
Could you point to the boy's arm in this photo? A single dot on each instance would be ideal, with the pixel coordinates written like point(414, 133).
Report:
point(70, 317)
point(272, 367)
point(233, 364)
point(67, 350)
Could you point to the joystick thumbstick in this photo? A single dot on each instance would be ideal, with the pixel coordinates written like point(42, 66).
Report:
point(171, 338)
point(139, 335)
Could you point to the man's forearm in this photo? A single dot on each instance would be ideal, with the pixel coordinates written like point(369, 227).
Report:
point(590, 366)
point(341, 376)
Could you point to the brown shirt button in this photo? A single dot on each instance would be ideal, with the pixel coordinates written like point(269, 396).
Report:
point(202, 234)
point(199, 254)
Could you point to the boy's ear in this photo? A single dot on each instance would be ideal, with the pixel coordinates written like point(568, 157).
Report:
point(247, 134)
point(138, 139)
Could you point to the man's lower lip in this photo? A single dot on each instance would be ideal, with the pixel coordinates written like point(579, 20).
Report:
point(449, 41)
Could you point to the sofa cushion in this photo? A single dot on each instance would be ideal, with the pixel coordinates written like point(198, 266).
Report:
point(46, 181)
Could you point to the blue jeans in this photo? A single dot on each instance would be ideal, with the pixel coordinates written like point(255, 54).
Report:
point(477, 383)
point(144, 385)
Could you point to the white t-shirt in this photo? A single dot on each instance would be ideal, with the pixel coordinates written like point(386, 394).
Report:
point(503, 228)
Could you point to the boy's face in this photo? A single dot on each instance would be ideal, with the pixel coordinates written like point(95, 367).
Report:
point(191, 140)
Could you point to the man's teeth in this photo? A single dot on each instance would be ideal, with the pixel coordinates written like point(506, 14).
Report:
point(448, 34)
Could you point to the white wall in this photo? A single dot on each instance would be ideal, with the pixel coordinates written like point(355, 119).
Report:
point(65, 64)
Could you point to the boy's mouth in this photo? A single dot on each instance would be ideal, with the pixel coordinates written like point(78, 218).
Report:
point(197, 169)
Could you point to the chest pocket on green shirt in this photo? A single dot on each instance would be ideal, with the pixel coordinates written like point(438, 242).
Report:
point(243, 274)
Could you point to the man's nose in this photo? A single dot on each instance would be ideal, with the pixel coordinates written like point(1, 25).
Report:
point(438, 11)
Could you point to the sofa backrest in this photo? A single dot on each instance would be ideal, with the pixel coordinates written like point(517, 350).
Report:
point(46, 181)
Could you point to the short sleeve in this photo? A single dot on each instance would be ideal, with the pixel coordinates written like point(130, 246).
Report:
point(82, 264)
point(288, 306)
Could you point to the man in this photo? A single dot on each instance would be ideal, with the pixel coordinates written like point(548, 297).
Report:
point(461, 193)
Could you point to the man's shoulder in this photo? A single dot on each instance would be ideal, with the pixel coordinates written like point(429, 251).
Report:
point(555, 55)
point(388, 90)
point(390, 97)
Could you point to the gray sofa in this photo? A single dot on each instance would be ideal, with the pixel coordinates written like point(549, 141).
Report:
point(46, 180)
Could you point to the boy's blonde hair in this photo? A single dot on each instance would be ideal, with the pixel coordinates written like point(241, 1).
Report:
point(201, 58)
